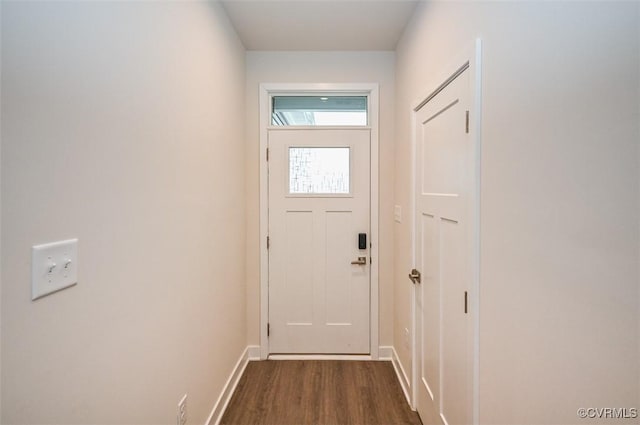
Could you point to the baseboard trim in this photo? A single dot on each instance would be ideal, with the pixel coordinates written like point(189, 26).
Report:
point(385, 352)
point(230, 386)
point(254, 352)
point(319, 357)
point(402, 375)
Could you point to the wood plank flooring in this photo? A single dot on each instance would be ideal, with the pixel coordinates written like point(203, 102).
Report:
point(319, 392)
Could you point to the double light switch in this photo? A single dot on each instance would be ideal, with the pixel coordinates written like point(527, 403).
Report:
point(54, 266)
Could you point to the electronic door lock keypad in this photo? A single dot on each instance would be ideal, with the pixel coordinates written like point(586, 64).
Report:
point(362, 241)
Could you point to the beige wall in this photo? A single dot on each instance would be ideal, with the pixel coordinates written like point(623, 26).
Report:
point(321, 67)
point(122, 125)
point(559, 226)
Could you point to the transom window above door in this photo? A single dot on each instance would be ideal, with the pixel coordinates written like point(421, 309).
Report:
point(319, 111)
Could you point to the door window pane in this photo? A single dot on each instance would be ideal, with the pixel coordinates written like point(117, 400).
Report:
point(319, 170)
point(319, 110)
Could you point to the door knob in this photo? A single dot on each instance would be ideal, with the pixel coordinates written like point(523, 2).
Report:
point(415, 276)
point(360, 261)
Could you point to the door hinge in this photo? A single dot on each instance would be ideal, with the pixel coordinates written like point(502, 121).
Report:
point(268, 242)
point(267, 154)
point(268, 329)
point(465, 302)
point(466, 120)
point(415, 276)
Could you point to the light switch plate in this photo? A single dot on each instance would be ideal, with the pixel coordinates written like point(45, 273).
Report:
point(54, 266)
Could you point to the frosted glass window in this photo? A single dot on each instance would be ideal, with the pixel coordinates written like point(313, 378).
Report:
point(319, 170)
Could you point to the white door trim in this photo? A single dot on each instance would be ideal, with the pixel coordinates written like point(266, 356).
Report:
point(266, 91)
point(471, 59)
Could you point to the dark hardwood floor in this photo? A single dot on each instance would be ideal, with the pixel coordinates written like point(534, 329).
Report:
point(319, 392)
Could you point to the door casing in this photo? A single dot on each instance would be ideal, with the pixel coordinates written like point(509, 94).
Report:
point(363, 89)
point(471, 58)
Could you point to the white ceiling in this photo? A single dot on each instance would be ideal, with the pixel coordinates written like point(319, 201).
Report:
point(319, 24)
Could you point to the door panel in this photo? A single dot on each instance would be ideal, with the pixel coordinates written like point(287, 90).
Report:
point(299, 230)
point(454, 323)
point(430, 303)
point(319, 200)
point(442, 175)
point(443, 255)
point(338, 296)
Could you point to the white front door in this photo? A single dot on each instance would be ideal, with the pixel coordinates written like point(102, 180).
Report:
point(319, 269)
point(444, 184)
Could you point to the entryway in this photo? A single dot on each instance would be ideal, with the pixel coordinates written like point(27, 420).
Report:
point(319, 220)
point(319, 258)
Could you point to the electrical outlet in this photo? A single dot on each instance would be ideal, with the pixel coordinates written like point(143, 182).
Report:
point(182, 411)
point(406, 338)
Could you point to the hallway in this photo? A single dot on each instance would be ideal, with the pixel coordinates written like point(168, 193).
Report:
point(142, 130)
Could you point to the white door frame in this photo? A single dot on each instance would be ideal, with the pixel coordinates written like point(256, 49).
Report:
point(471, 59)
point(266, 92)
